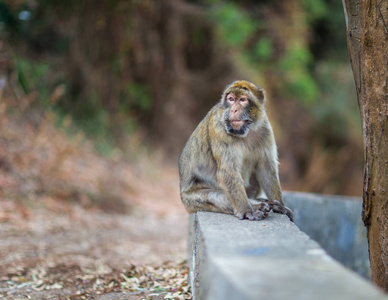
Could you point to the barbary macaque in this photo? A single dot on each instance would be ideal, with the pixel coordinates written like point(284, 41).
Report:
point(231, 157)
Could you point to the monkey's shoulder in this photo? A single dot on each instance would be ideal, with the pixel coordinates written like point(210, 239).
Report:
point(198, 141)
point(209, 127)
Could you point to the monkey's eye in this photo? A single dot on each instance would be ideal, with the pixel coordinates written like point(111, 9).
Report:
point(231, 99)
point(243, 100)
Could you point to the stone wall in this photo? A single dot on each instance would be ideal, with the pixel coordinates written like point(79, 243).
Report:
point(335, 223)
point(272, 259)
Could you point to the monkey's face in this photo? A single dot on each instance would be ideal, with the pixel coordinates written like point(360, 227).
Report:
point(237, 118)
point(242, 110)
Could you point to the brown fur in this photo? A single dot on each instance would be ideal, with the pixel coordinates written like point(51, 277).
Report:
point(223, 171)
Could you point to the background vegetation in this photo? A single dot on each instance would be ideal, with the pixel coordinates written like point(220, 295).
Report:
point(97, 99)
point(125, 74)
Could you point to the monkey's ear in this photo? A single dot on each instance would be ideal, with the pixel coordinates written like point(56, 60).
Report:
point(224, 93)
point(260, 94)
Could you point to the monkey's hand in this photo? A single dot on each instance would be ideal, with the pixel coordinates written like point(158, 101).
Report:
point(259, 212)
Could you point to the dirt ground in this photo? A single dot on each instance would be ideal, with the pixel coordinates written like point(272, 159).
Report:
point(78, 225)
point(64, 251)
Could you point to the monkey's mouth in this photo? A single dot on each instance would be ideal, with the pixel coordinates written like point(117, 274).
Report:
point(237, 124)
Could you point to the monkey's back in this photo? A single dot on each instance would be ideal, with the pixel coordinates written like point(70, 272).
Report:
point(196, 162)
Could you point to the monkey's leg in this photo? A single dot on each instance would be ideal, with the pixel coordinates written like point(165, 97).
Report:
point(233, 187)
point(206, 200)
point(269, 181)
point(216, 201)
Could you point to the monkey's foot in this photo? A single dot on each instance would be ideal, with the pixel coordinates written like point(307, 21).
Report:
point(259, 212)
point(278, 207)
point(282, 209)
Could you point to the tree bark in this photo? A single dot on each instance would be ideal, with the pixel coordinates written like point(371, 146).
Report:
point(367, 38)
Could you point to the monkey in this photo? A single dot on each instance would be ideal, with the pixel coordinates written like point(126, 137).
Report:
point(231, 157)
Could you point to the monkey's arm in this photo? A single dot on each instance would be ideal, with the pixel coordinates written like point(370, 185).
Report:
point(268, 178)
point(232, 185)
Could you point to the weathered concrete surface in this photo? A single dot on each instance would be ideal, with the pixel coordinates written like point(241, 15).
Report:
point(335, 223)
point(269, 259)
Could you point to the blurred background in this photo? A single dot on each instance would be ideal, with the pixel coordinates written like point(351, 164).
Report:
point(97, 99)
point(126, 82)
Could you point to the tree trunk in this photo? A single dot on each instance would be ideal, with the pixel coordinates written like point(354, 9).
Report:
point(367, 38)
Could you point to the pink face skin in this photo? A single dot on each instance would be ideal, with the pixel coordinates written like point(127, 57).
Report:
point(237, 105)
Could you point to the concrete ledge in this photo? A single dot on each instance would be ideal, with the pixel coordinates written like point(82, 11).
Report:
point(270, 259)
point(335, 223)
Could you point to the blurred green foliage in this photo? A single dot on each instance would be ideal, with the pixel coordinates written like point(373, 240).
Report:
point(337, 110)
point(314, 10)
point(89, 116)
point(295, 60)
point(8, 18)
point(299, 82)
point(198, 37)
point(32, 77)
point(238, 28)
point(41, 71)
point(263, 49)
point(234, 24)
point(140, 96)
